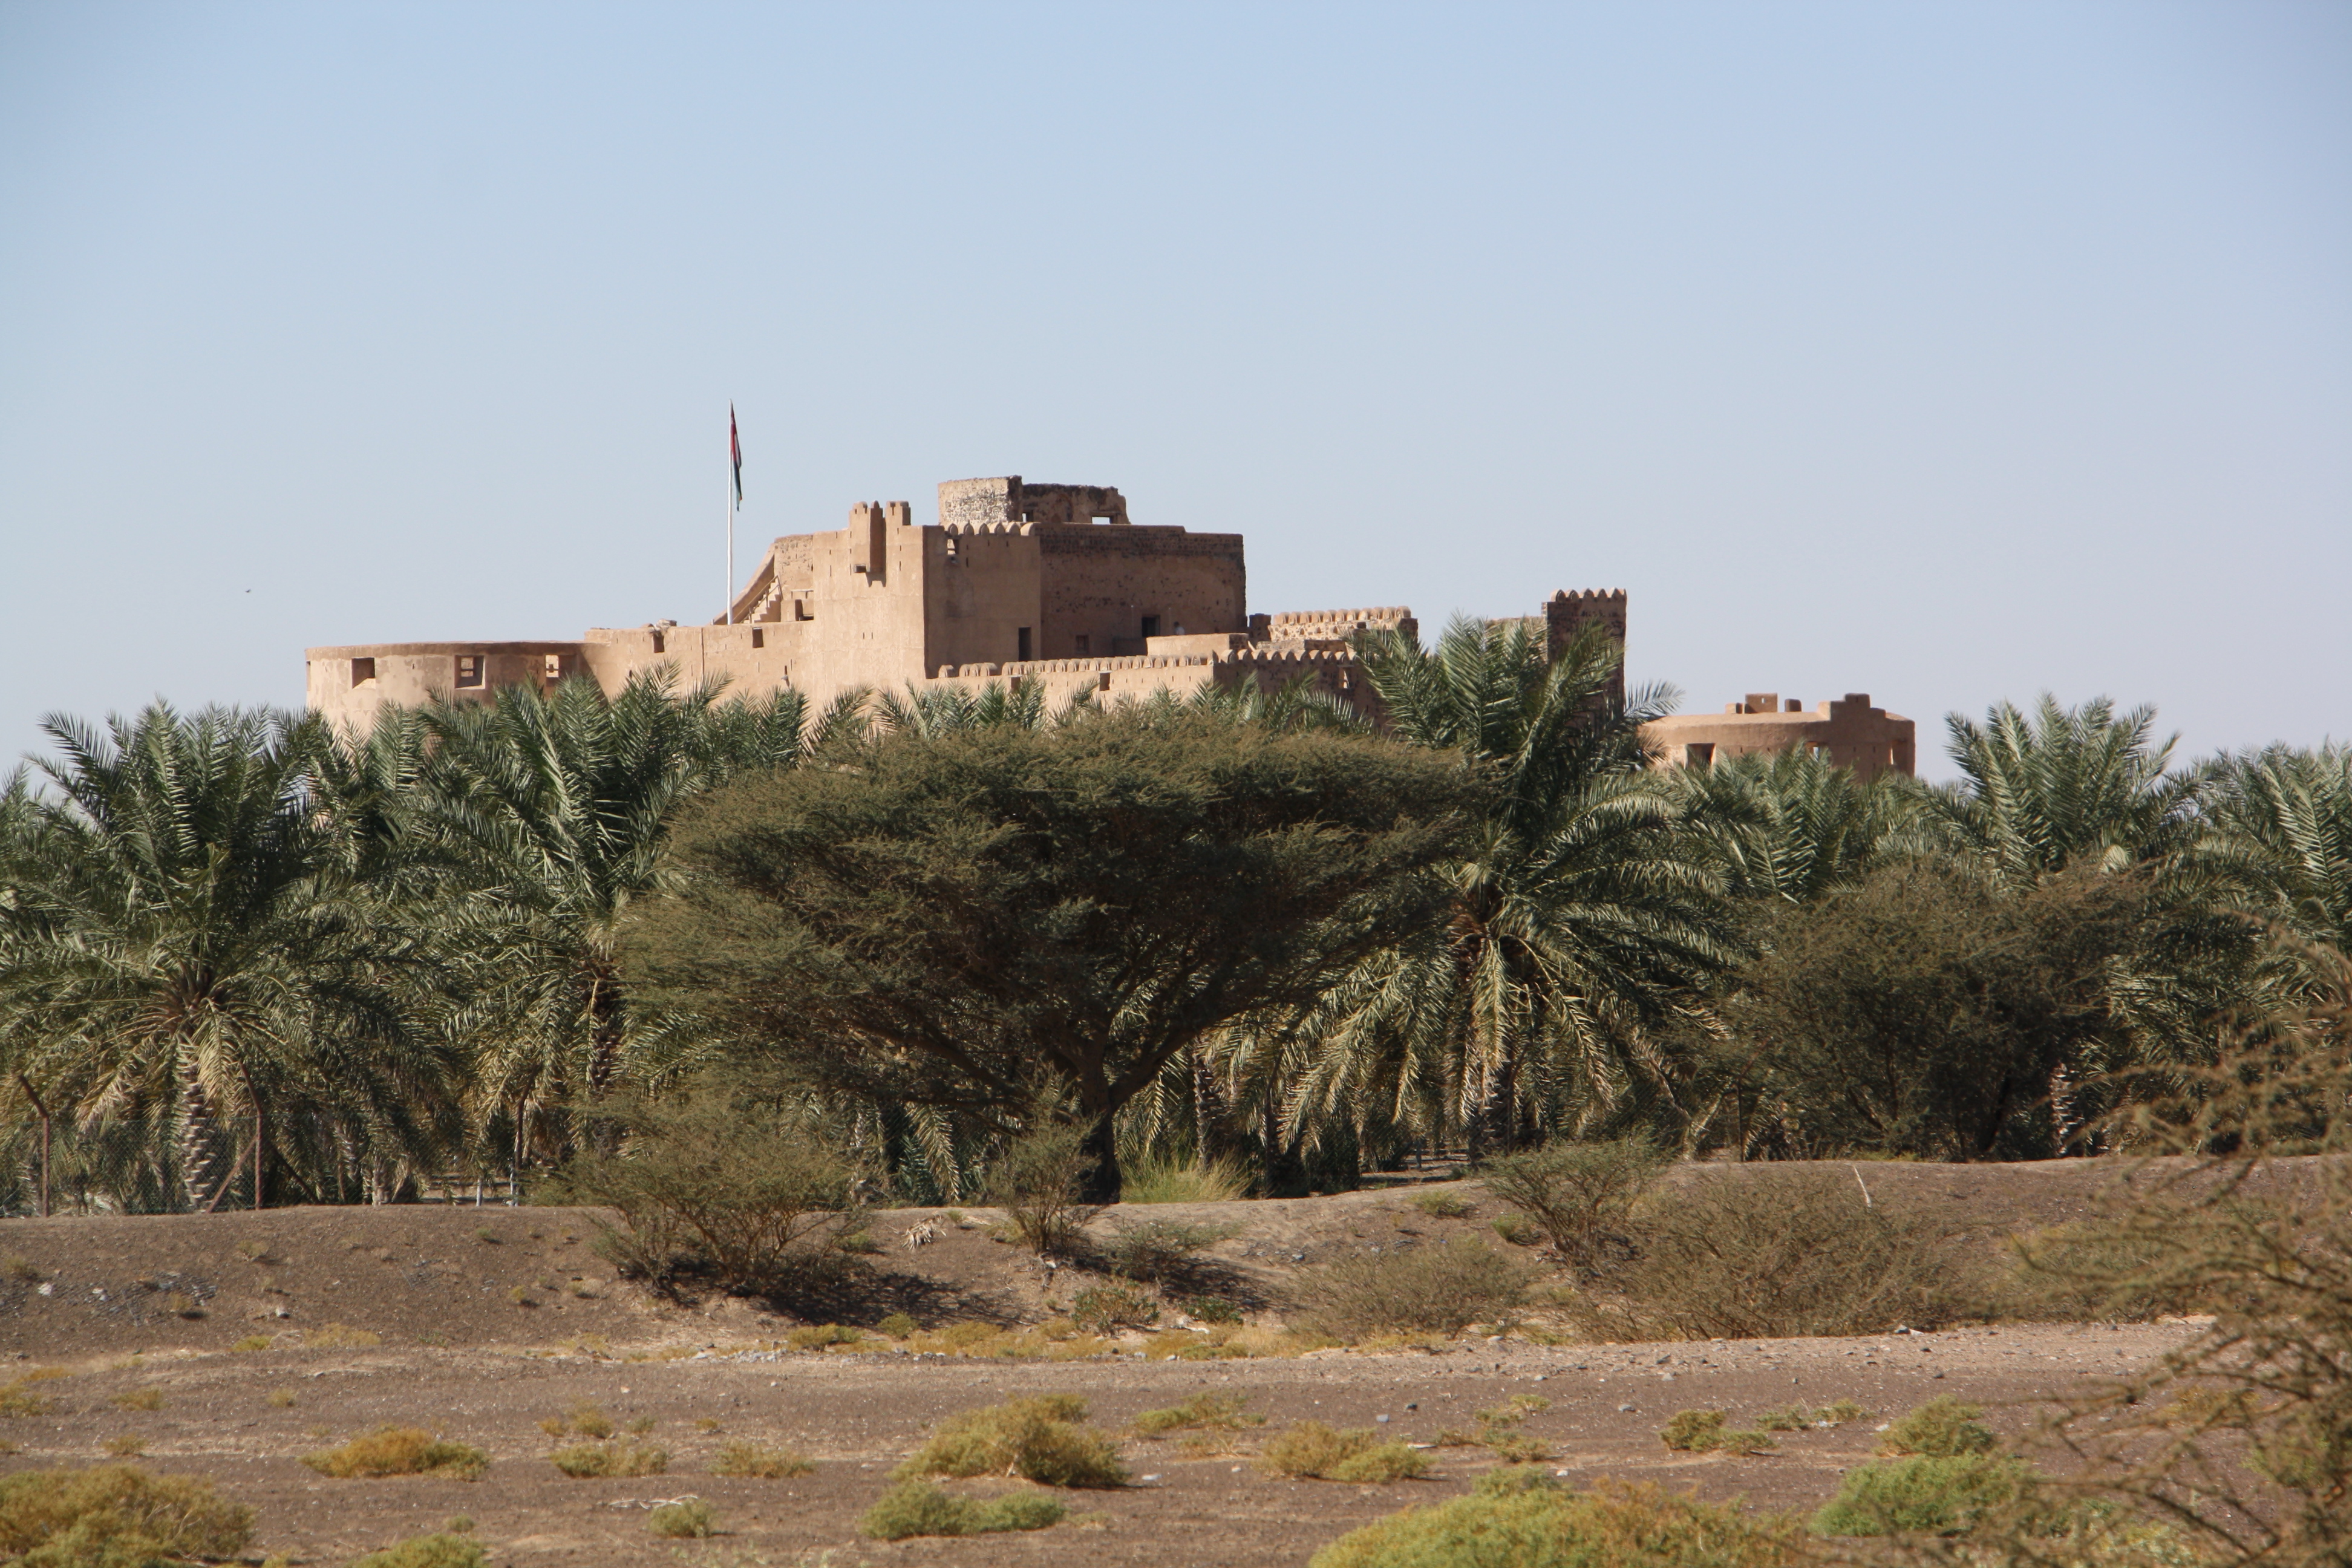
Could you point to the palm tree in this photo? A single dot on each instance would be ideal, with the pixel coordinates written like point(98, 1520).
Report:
point(542, 817)
point(2280, 822)
point(1793, 825)
point(183, 943)
point(1587, 908)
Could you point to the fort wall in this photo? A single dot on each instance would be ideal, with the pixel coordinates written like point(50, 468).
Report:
point(1853, 734)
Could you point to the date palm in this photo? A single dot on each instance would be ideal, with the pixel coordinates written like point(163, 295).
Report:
point(184, 942)
point(1585, 909)
point(1793, 825)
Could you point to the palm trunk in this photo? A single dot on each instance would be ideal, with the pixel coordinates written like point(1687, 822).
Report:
point(1212, 1135)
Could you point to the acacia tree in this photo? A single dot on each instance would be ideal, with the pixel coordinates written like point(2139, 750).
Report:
point(976, 920)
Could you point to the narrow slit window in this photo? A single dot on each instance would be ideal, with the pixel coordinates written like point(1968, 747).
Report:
point(759, 637)
point(661, 643)
point(469, 669)
point(1021, 643)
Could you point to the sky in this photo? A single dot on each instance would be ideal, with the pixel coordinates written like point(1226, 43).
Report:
point(1951, 352)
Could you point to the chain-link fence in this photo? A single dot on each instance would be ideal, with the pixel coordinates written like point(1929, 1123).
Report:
point(200, 1164)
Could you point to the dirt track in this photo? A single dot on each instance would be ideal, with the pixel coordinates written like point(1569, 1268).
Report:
point(490, 1369)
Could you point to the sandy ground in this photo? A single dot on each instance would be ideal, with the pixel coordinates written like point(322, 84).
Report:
point(493, 1320)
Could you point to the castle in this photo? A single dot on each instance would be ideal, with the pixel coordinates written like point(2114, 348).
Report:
point(1015, 582)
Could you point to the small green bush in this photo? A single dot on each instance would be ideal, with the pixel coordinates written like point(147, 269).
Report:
point(1942, 1428)
point(400, 1451)
point(686, 1518)
point(1111, 1309)
point(1441, 1205)
point(1931, 1494)
point(920, 1507)
point(898, 1325)
point(115, 1514)
point(1202, 1412)
point(1157, 1251)
point(1514, 1518)
point(1442, 1289)
point(757, 1462)
point(1037, 1183)
point(1038, 1439)
point(442, 1549)
point(584, 1461)
point(1577, 1194)
point(1310, 1450)
point(817, 1336)
point(1164, 1182)
point(1212, 1310)
point(1691, 1431)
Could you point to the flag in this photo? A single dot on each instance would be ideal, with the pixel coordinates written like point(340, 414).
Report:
point(735, 453)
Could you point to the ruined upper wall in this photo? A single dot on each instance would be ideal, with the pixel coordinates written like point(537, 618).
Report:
point(976, 502)
point(1849, 731)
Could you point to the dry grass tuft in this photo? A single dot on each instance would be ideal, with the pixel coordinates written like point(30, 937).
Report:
point(442, 1549)
point(761, 1462)
point(400, 1451)
point(915, 1508)
point(582, 1461)
point(1201, 1413)
point(1039, 1439)
point(149, 1398)
point(1311, 1450)
point(684, 1518)
point(1522, 1519)
point(1428, 1289)
point(1164, 1182)
point(116, 1514)
point(341, 1337)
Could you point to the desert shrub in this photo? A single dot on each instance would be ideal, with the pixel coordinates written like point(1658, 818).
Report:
point(1516, 1519)
point(1577, 1194)
point(1691, 1431)
point(442, 1549)
point(583, 1420)
point(1039, 1439)
point(1441, 1205)
point(1108, 1308)
point(15, 1399)
point(1763, 1253)
point(1037, 1182)
point(1515, 1448)
point(819, 1335)
point(920, 1507)
point(1943, 1428)
point(250, 1344)
point(115, 1516)
point(898, 1325)
point(1515, 1409)
point(1158, 1251)
point(1167, 1182)
point(582, 1461)
point(400, 1451)
point(760, 1462)
point(1219, 1412)
point(139, 1399)
point(2097, 1270)
point(1213, 1308)
point(686, 1519)
point(1518, 1229)
point(1310, 1450)
point(1932, 1494)
point(128, 1445)
point(1442, 1289)
point(743, 1194)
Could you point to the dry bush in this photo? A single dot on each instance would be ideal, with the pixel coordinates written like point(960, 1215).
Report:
point(1441, 1205)
point(128, 1445)
point(915, 1508)
point(1764, 1253)
point(1311, 1450)
point(1577, 1194)
point(1037, 1182)
point(341, 1337)
point(1164, 1182)
point(150, 1398)
point(400, 1451)
point(1530, 1520)
point(442, 1549)
point(760, 1462)
point(1038, 1439)
point(583, 1420)
point(1943, 1428)
point(1111, 1308)
point(817, 1336)
point(683, 1519)
point(250, 1344)
point(2091, 1271)
point(1202, 1412)
point(1157, 1252)
point(113, 1515)
point(584, 1461)
point(742, 1194)
point(1691, 1431)
point(1934, 1494)
point(15, 1399)
point(1426, 1290)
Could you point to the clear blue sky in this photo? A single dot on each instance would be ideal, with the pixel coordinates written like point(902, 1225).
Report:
point(1946, 352)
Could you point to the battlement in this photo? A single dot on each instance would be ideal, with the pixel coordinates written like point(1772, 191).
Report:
point(1383, 617)
point(1011, 499)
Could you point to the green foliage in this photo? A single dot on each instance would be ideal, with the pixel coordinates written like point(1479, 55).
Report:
point(961, 917)
point(1310, 1450)
point(1039, 1439)
point(1160, 1251)
point(1774, 1253)
point(116, 1516)
point(400, 1451)
point(1579, 1193)
point(743, 1194)
point(1441, 1289)
point(442, 1549)
point(1693, 1431)
point(686, 1519)
point(1943, 1428)
point(915, 1508)
point(898, 1325)
point(1202, 1412)
point(1441, 1205)
point(584, 1461)
point(1935, 1494)
point(1516, 1519)
point(1195, 1182)
point(1212, 1310)
point(761, 1462)
point(1038, 1180)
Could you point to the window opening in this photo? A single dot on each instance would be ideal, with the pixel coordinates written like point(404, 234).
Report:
point(1151, 626)
point(362, 671)
point(1083, 646)
point(1021, 639)
point(469, 669)
point(661, 643)
point(554, 671)
point(759, 637)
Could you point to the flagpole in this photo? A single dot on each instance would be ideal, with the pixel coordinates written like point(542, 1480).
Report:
point(731, 514)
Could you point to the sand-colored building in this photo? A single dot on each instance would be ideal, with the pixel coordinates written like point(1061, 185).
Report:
point(1015, 582)
point(1857, 735)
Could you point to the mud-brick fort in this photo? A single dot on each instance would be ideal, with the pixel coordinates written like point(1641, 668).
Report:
point(1025, 582)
